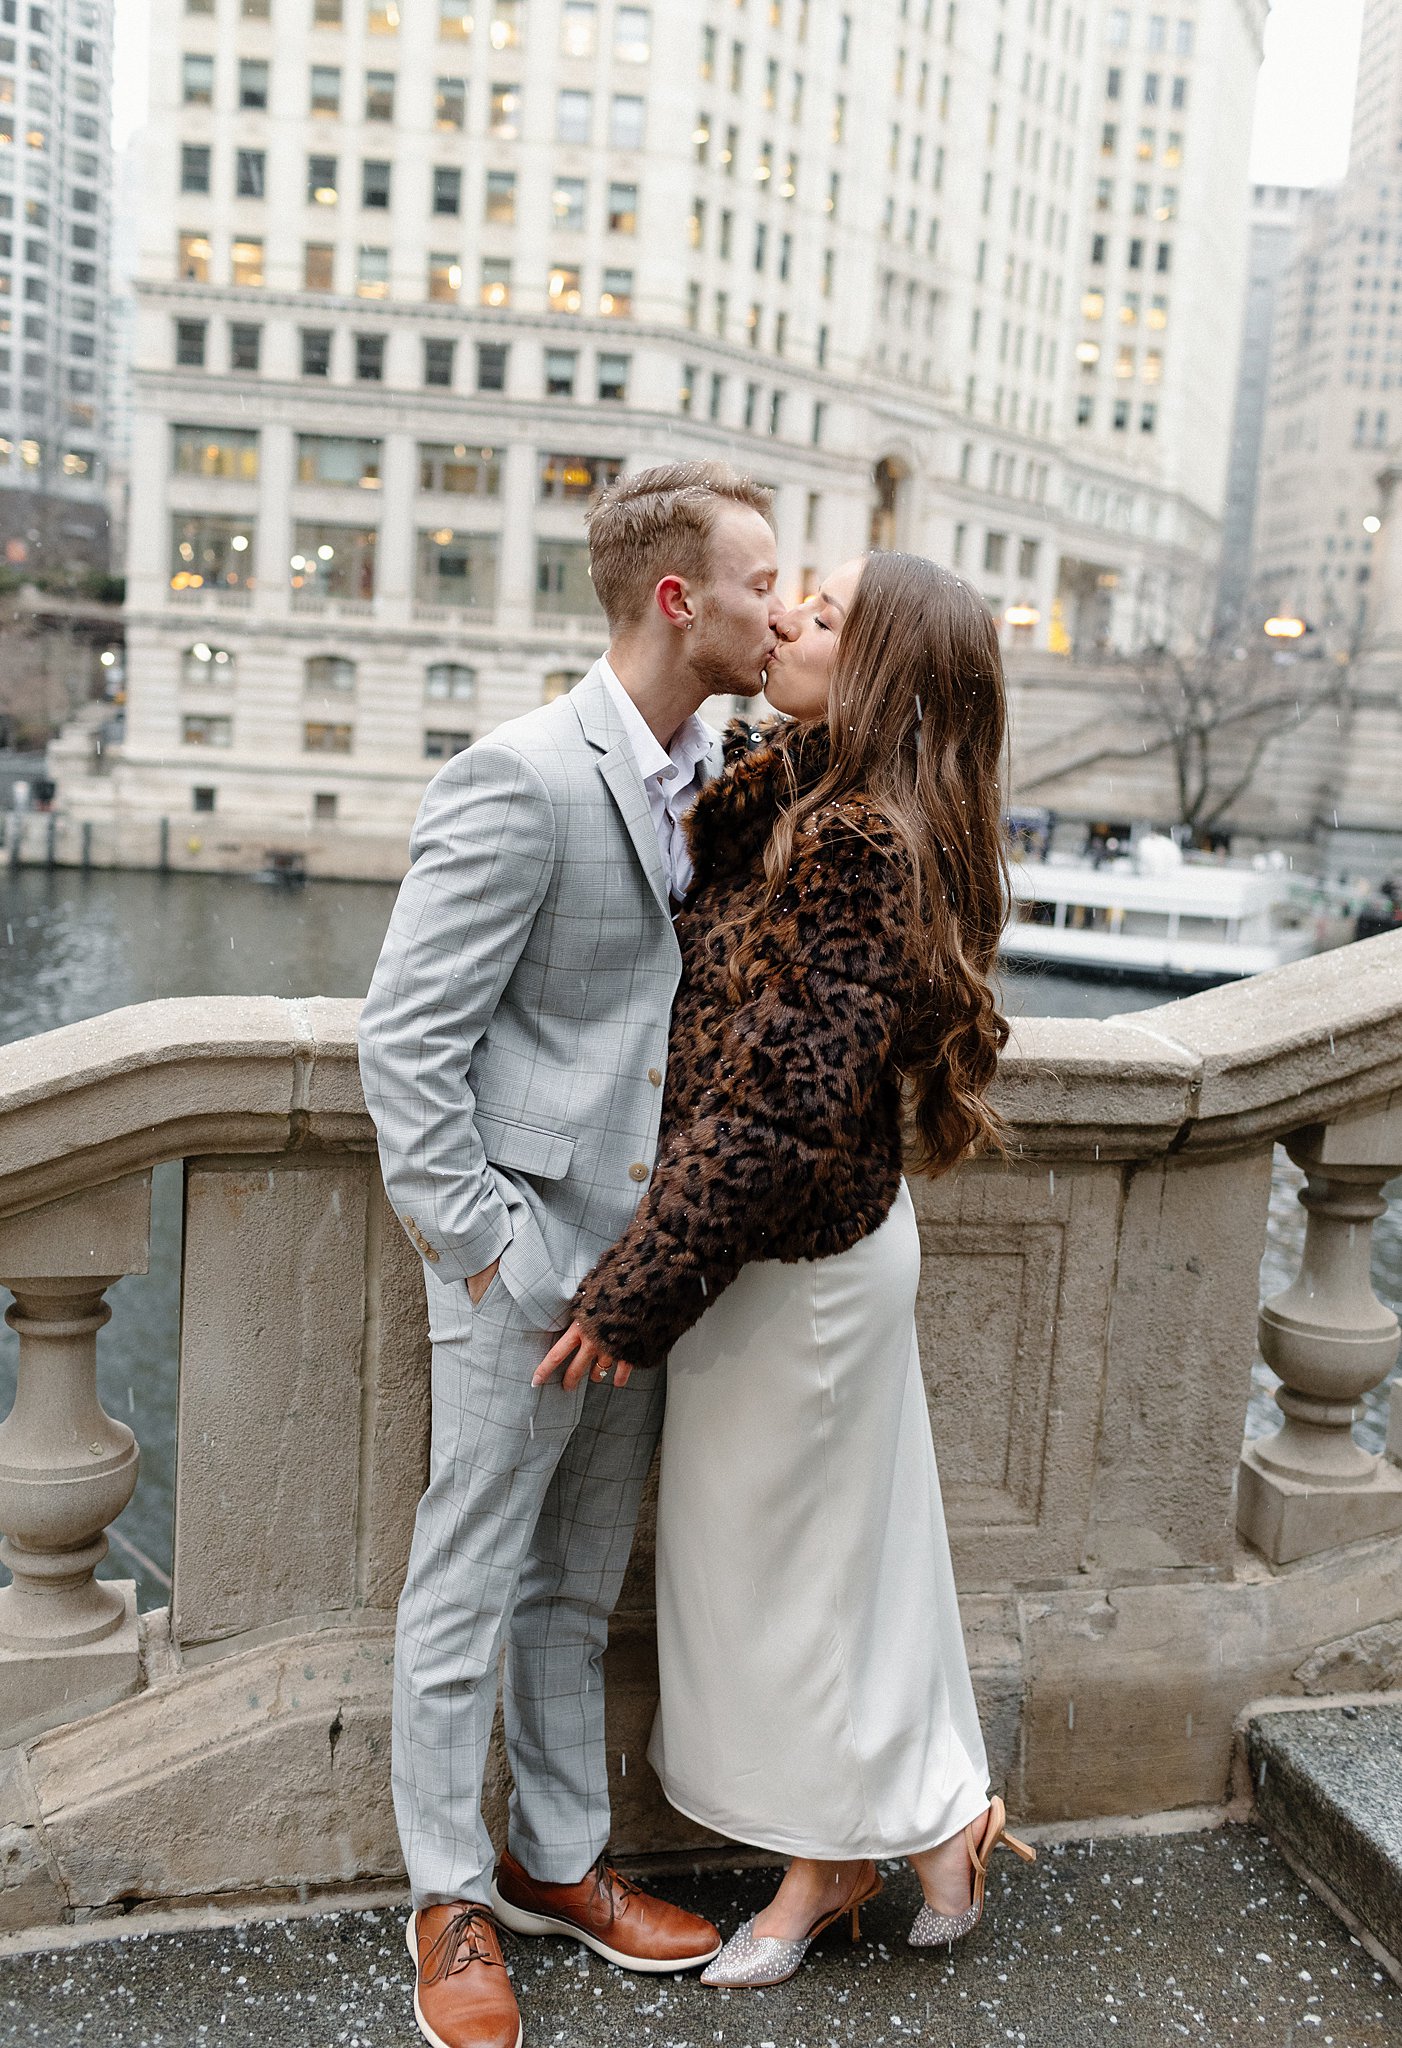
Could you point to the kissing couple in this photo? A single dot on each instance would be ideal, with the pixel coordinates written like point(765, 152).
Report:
point(652, 1010)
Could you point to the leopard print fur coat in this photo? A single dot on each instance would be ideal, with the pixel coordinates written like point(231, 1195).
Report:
point(781, 1124)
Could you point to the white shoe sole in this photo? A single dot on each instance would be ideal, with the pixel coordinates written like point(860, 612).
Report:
point(521, 1922)
point(425, 2029)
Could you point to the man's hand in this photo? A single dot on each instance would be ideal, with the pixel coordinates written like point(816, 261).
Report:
point(478, 1283)
point(581, 1357)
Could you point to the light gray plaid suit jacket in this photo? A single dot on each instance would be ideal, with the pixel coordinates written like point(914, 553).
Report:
point(513, 1044)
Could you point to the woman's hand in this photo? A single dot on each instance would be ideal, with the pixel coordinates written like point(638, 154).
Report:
point(581, 1358)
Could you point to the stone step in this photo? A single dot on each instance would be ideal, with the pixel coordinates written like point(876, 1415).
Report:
point(1328, 1786)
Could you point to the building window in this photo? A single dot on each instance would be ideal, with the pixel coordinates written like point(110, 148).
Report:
point(461, 470)
point(819, 417)
point(207, 729)
point(613, 377)
point(1098, 249)
point(447, 189)
point(450, 682)
point(1120, 415)
point(197, 81)
point(246, 262)
point(324, 807)
point(316, 351)
point(202, 797)
point(338, 459)
point(623, 209)
point(776, 411)
point(564, 588)
point(332, 561)
point(190, 343)
point(192, 258)
point(321, 181)
point(209, 553)
point(372, 273)
point(374, 185)
point(491, 365)
point(458, 569)
point(370, 358)
point(616, 299)
point(318, 267)
point(194, 167)
point(450, 103)
point(632, 35)
point(561, 368)
point(995, 548)
point(1085, 410)
point(627, 119)
point(558, 683)
point(203, 667)
point(577, 28)
point(1136, 254)
point(562, 288)
point(574, 112)
point(454, 20)
point(751, 404)
point(577, 477)
point(567, 203)
point(1164, 257)
point(438, 363)
point(441, 746)
point(245, 345)
point(444, 278)
point(379, 95)
point(506, 24)
point(496, 281)
point(253, 85)
point(500, 207)
point(504, 122)
point(323, 736)
point(328, 675)
point(325, 13)
point(326, 89)
point(1148, 418)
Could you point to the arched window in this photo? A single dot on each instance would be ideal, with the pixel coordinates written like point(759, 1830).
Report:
point(451, 682)
point(330, 675)
point(206, 666)
point(887, 478)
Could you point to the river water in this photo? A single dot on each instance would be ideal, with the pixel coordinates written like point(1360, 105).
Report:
point(74, 946)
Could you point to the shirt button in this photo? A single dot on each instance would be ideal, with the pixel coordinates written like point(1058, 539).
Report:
point(637, 1171)
point(654, 1075)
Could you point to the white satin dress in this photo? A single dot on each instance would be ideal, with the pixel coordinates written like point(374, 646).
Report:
point(815, 1692)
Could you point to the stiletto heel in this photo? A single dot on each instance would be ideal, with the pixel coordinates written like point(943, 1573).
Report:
point(930, 1928)
point(755, 1961)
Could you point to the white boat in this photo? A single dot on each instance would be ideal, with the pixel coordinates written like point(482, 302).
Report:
point(1155, 916)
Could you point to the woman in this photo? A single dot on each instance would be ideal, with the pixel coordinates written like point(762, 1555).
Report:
point(837, 944)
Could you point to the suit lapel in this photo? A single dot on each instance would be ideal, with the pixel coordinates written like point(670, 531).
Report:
point(619, 769)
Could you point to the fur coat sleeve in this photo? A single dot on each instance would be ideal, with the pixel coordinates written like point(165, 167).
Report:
point(792, 1076)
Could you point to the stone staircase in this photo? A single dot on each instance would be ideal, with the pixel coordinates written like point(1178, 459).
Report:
point(1327, 1784)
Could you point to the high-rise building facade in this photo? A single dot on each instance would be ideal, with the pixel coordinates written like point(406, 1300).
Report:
point(1335, 400)
point(418, 275)
point(55, 226)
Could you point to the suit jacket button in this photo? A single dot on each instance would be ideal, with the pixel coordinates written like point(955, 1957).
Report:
point(431, 1255)
point(637, 1171)
point(654, 1075)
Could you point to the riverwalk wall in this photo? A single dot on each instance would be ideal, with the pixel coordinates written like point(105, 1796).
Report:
point(1132, 1574)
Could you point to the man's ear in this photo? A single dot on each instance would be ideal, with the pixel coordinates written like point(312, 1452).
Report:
point(673, 599)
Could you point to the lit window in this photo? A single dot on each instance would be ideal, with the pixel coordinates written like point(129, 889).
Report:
point(577, 477)
point(1124, 361)
point(1153, 366)
point(632, 35)
point(506, 24)
point(567, 202)
point(450, 103)
point(456, 569)
point(192, 258)
point(326, 89)
point(247, 262)
point(616, 299)
point(205, 667)
point(321, 181)
point(1088, 354)
point(1093, 306)
point(322, 736)
point(454, 20)
point(459, 469)
point(623, 209)
point(496, 281)
point(505, 121)
point(216, 451)
point(318, 267)
point(206, 729)
point(577, 28)
point(562, 288)
point(382, 17)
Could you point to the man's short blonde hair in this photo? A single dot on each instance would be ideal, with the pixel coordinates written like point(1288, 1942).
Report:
point(659, 523)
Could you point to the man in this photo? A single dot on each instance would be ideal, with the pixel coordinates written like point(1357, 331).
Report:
point(513, 1048)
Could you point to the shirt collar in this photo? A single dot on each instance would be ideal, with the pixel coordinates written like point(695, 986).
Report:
point(690, 744)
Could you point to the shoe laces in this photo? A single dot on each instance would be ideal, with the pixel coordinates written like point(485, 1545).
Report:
point(466, 1931)
point(613, 1885)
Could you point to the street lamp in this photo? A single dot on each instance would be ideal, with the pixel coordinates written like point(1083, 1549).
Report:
point(1283, 628)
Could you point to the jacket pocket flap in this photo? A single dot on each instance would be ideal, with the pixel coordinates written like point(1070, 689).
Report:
point(526, 1147)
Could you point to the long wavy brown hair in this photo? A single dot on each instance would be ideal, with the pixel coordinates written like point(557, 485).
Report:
point(916, 728)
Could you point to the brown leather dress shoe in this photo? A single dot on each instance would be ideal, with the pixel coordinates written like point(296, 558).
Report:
point(620, 1922)
point(463, 1997)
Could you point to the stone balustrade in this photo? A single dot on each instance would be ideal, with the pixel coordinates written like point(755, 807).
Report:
point(1131, 1575)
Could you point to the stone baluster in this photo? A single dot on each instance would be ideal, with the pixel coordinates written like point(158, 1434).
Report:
point(68, 1641)
point(1309, 1486)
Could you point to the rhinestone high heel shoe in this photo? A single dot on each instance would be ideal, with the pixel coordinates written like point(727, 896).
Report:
point(753, 1961)
point(930, 1928)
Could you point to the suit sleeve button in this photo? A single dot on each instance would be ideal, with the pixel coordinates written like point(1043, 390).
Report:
point(654, 1075)
point(637, 1171)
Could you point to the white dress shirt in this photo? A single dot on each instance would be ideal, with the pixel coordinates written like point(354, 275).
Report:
point(670, 778)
